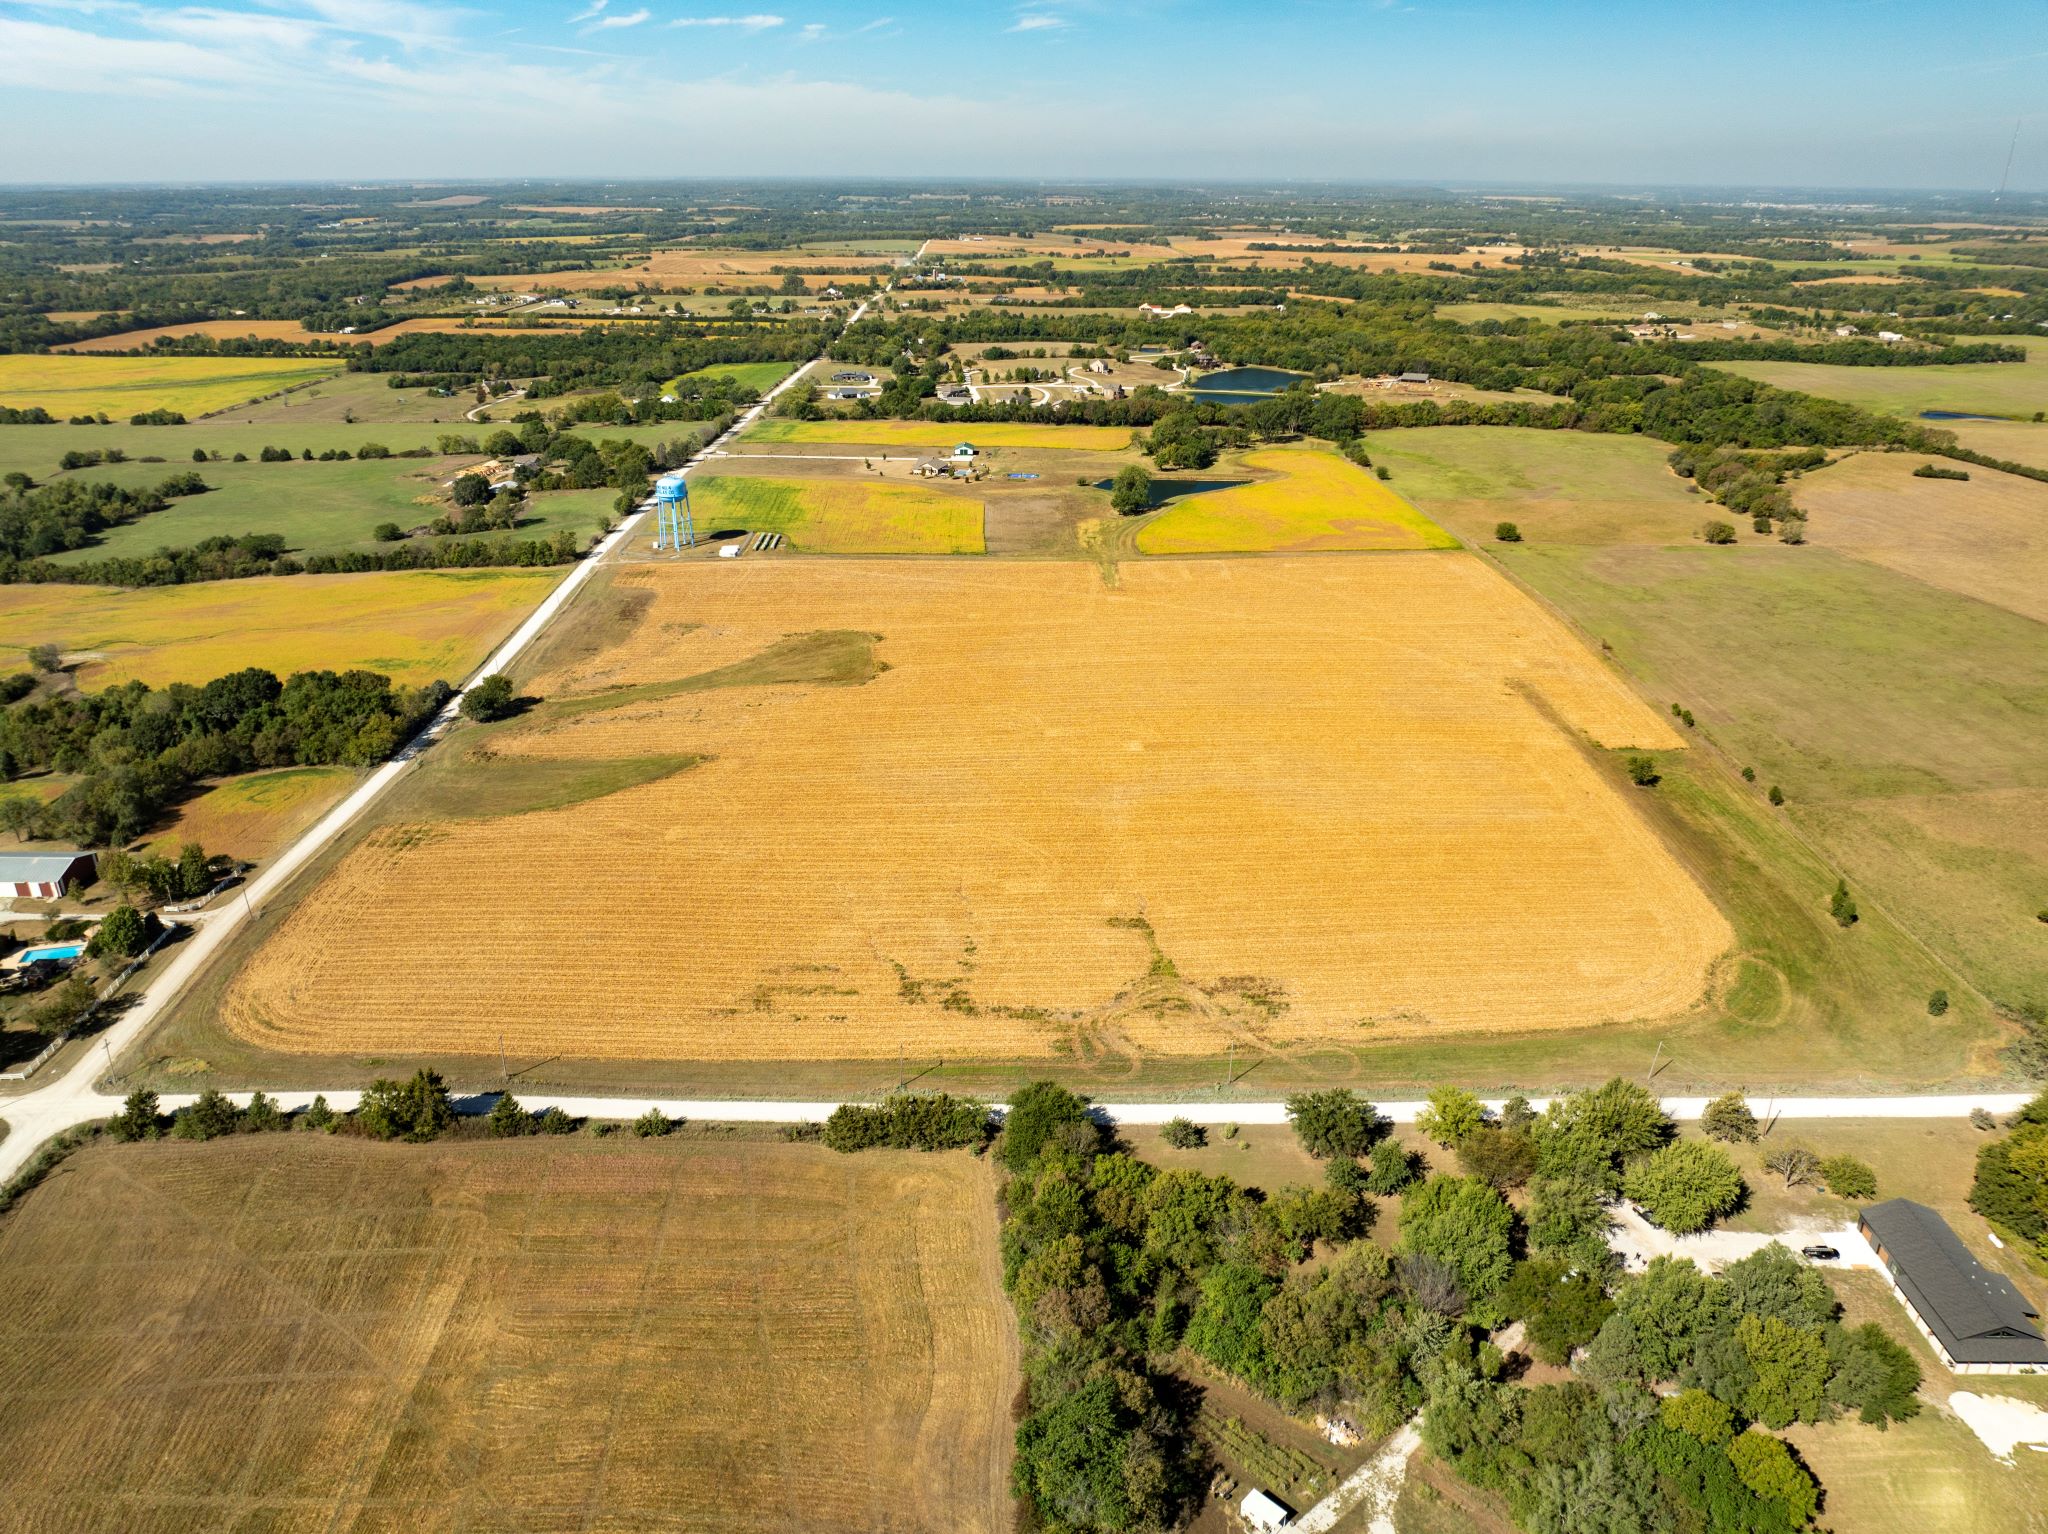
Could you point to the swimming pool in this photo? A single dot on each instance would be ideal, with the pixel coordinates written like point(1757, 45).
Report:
point(56, 951)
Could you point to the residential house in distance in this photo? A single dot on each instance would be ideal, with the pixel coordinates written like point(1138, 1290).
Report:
point(1160, 312)
point(1976, 1320)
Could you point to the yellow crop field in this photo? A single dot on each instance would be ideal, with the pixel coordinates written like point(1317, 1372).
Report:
point(1986, 537)
point(1313, 500)
point(939, 436)
point(301, 1332)
point(254, 815)
point(125, 386)
point(1276, 802)
point(843, 516)
point(413, 625)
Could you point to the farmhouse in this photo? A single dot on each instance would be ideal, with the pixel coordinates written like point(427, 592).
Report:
point(1978, 1322)
point(1161, 312)
point(43, 875)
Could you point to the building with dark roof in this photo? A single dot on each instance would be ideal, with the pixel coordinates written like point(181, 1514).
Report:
point(1978, 1322)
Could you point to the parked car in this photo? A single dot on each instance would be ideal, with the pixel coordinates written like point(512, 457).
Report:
point(1819, 1253)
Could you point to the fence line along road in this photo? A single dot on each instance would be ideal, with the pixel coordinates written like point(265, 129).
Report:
point(71, 1099)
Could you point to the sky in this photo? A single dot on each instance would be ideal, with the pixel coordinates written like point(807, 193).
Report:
point(1790, 93)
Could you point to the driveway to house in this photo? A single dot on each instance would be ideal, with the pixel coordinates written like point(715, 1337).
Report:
point(1636, 1241)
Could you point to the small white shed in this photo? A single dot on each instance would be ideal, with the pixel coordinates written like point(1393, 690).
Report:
point(1263, 1513)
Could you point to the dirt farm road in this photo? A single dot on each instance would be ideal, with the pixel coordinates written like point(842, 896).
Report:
point(72, 1098)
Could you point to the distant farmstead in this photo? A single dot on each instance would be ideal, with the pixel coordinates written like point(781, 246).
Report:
point(44, 875)
point(1978, 1322)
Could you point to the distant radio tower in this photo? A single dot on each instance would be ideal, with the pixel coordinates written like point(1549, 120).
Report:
point(1999, 195)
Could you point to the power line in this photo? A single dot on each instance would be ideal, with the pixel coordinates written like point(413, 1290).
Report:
point(1999, 195)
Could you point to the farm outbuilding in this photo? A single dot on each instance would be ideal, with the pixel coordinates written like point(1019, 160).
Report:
point(44, 875)
point(1977, 1321)
point(1263, 1513)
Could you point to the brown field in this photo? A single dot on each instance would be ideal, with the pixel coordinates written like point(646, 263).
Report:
point(306, 1333)
point(681, 269)
point(291, 330)
point(1987, 538)
point(1237, 249)
point(1276, 801)
point(1007, 248)
point(260, 330)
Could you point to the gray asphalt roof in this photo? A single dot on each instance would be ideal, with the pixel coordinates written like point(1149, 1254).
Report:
point(36, 867)
point(1978, 1314)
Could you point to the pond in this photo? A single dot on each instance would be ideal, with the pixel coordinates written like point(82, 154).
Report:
point(1164, 490)
point(1956, 415)
point(1240, 386)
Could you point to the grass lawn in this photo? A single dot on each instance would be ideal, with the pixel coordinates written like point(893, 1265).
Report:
point(936, 436)
point(124, 386)
point(318, 507)
point(2016, 389)
point(414, 625)
point(710, 1331)
point(841, 516)
point(758, 376)
point(1902, 722)
point(1556, 486)
point(1309, 499)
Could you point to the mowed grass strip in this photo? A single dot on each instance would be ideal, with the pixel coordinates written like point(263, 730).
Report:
point(850, 516)
point(761, 376)
point(414, 625)
point(1313, 500)
point(124, 386)
point(937, 435)
point(702, 1333)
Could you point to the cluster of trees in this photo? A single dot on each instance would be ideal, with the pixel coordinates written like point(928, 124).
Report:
point(2011, 1188)
point(417, 1109)
point(1751, 484)
point(40, 520)
point(910, 1121)
point(136, 748)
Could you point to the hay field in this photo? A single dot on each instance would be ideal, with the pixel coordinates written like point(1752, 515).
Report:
point(125, 386)
point(938, 436)
point(1986, 538)
point(842, 516)
point(1324, 789)
point(414, 625)
point(229, 329)
point(2015, 441)
point(254, 815)
point(308, 1333)
point(2015, 389)
point(1313, 500)
point(1556, 486)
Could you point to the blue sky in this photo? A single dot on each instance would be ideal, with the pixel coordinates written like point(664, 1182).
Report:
point(1899, 93)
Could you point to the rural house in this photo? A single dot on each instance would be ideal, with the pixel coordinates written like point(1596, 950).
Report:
point(1978, 1322)
point(1263, 1513)
point(44, 875)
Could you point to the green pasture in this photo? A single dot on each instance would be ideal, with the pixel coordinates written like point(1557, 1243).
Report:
point(2015, 389)
point(1902, 722)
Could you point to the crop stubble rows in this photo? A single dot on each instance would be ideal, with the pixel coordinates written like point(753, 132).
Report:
point(1329, 790)
point(319, 1334)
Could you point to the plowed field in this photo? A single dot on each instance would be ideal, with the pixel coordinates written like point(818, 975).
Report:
point(304, 1333)
point(1290, 801)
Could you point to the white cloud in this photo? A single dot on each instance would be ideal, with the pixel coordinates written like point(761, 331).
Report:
point(756, 23)
point(813, 31)
point(596, 9)
point(1038, 21)
point(630, 19)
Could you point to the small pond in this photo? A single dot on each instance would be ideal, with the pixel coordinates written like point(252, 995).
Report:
point(1240, 386)
point(1164, 490)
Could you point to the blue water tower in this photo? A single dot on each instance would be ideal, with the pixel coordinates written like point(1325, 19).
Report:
point(674, 527)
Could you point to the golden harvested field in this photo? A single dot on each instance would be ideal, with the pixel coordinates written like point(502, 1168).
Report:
point(682, 267)
point(125, 386)
point(308, 1333)
point(1987, 538)
point(939, 436)
point(1312, 500)
point(414, 625)
point(262, 330)
point(254, 815)
point(842, 516)
point(1333, 787)
point(1237, 250)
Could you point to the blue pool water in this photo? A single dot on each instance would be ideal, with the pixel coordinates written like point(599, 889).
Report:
point(60, 951)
